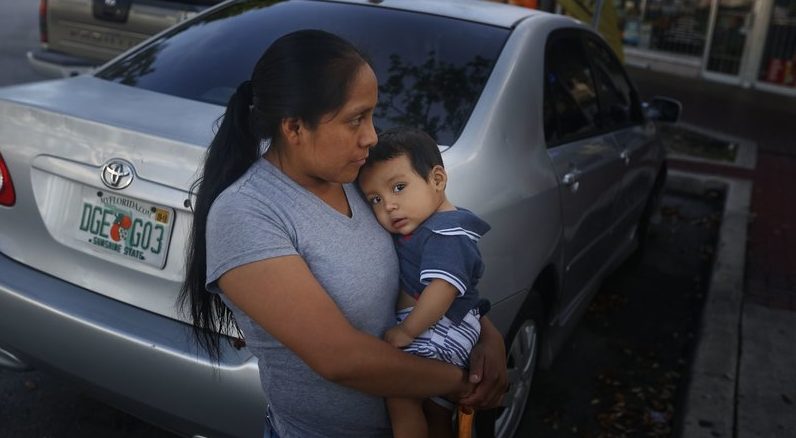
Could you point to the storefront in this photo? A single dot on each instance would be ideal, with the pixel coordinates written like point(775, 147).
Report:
point(744, 42)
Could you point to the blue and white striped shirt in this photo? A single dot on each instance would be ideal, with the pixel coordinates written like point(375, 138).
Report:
point(445, 246)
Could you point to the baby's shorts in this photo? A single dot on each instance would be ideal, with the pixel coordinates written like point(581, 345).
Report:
point(446, 340)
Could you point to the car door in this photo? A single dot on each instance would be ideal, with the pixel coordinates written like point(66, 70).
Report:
point(585, 160)
point(621, 115)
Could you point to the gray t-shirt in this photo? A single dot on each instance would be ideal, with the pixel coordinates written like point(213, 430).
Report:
point(265, 214)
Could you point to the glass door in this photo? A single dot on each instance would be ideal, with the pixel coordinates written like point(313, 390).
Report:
point(732, 25)
point(778, 63)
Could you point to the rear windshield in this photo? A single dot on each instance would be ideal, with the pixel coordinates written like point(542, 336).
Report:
point(431, 69)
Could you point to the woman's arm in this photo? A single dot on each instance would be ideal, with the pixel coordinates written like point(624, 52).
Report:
point(309, 323)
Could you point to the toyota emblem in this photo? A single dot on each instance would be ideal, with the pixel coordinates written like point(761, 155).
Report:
point(117, 174)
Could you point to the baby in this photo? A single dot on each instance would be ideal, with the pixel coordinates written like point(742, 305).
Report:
point(438, 315)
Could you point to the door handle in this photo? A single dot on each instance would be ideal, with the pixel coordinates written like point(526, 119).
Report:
point(570, 180)
point(625, 155)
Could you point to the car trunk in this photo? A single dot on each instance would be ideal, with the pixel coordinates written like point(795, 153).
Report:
point(127, 244)
point(101, 29)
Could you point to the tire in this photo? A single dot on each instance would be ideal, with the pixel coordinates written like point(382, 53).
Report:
point(522, 350)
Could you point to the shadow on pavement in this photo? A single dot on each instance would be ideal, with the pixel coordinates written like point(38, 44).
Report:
point(624, 370)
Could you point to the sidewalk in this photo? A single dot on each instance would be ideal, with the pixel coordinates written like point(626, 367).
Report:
point(743, 383)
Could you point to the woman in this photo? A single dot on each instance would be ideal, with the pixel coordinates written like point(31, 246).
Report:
point(293, 253)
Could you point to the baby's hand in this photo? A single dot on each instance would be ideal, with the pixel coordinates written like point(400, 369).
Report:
point(397, 337)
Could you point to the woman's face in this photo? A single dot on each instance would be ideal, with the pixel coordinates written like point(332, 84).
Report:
point(336, 148)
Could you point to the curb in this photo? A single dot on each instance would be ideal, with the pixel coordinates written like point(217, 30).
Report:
point(710, 401)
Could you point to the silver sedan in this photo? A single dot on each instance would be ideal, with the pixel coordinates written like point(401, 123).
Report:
point(543, 135)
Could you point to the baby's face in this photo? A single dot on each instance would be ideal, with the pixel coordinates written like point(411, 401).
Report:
point(400, 198)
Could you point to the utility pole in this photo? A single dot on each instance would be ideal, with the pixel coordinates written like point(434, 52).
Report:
point(595, 18)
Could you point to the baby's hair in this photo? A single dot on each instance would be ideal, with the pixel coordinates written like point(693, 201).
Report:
point(418, 146)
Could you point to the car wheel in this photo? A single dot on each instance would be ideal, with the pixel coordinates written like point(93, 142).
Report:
point(522, 358)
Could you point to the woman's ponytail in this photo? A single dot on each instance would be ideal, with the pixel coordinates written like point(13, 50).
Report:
point(233, 149)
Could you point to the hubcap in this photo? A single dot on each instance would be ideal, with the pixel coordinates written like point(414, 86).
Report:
point(521, 365)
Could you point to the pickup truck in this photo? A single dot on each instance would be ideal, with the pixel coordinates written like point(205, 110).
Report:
point(79, 35)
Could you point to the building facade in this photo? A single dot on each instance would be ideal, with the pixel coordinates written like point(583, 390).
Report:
point(750, 43)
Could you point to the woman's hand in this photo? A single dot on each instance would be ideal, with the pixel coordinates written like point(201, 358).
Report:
point(487, 369)
point(466, 389)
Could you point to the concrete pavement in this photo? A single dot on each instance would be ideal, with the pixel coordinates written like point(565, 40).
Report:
point(765, 403)
point(743, 380)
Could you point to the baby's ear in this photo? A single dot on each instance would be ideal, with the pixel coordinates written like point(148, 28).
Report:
point(439, 177)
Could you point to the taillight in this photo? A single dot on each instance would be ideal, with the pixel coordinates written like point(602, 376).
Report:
point(43, 21)
point(7, 196)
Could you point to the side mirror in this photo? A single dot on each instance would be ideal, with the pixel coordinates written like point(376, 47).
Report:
point(663, 109)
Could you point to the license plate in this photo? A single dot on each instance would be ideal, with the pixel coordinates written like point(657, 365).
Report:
point(111, 10)
point(125, 228)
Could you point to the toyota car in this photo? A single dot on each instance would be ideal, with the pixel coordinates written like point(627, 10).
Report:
point(542, 132)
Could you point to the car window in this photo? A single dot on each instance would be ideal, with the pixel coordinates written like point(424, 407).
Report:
point(571, 109)
point(431, 69)
point(617, 99)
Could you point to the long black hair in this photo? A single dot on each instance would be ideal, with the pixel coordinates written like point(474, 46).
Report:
point(305, 74)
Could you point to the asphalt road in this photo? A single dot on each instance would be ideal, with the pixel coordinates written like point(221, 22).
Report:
point(19, 32)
